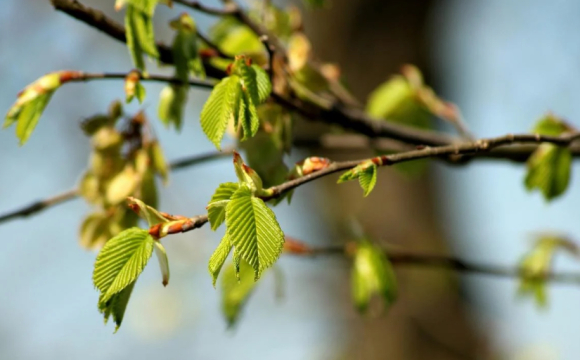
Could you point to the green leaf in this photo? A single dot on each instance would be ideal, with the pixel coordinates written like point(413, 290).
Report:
point(185, 53)
point(172, 100)
point(248, 117)
point(116, 305)
point(395, 101)
point(236, 290)
point(30, 104)
point(216, 261)
point(247, 176)
point(121, 261)
point(367, 179)
point(216, 209)
point(366, 173)
point(163, 262)
point(220, 108)
point(263, 82)
point(372, 274)
point(139, 32)
point(549, 170)
point(550, 125)
point(537, 263)
point(253, 230)
point(133, 87)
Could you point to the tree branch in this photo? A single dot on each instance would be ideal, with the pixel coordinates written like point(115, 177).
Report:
point(78, 76)
point(196, 5)
point(398, 258)
point(348, 118)
point(72, 194)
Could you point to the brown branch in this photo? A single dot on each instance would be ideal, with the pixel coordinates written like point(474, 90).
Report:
point(72, 194)
point(348, 118)
point(478, 146)
point(78, 76)
point(103, 23)
point(40, 205)
point(196, 5)
point(398, 258)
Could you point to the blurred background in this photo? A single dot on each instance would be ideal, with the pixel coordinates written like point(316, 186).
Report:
point(505, 63)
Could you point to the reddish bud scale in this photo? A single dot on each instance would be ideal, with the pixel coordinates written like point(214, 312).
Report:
point(313, 164)
point(208, 53)
point(154, 231)
point(69, 75)
point(293, 246)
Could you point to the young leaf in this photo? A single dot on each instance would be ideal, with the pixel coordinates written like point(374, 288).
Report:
point(31, 101)
point(372, 274)
point(172, 100)
point(248, 117)
point(549, 170)
point(185, 53)
point(121, 261)
point(253, 230)
point(216, 209)
point(116, 305)
point(550, 125)
point(151, 215)
point(263, 82)
point(367, 179)
point(134, 88)
point(396, 100)
point(139, 32)
point(236, 290)
point(216, 261)
point(536, 264)
point(221, 108)
point(366, 173)
point(163, 262)
point(246, 175)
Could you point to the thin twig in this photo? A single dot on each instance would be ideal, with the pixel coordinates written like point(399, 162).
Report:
point(77, 76)
point(482, 145)
point(348, 118)
point(398, 258)
point(72, 194)
point(40, 205)
point(196, 5)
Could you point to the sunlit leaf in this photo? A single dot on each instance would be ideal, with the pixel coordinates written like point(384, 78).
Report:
point(253, 230)
point(116, 305)
point(220, 108)
point(172, 101)
point(139, 32)
point(31, 101)
point(216, 209)
point(365, 172)
point(121, 261)
point(537, 264)
point(372, 274)
point(549, 170)
point(219, 257)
